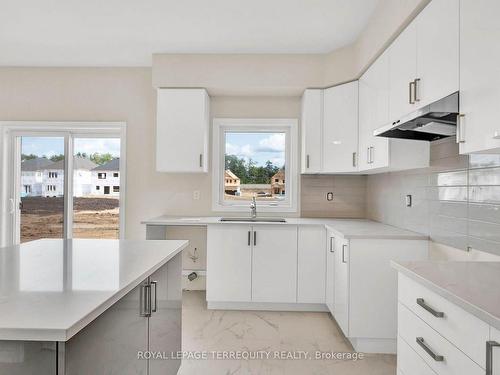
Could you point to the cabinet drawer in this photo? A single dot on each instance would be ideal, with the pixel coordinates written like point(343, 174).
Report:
point(453, 361)
point(409, 362)
point(462, 329)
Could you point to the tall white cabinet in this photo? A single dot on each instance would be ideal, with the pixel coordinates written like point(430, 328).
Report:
point(182, 125)
point(479, 129)
point(312, 131)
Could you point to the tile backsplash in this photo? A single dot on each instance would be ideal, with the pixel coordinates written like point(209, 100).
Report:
point(456, 201)
point(349, 196)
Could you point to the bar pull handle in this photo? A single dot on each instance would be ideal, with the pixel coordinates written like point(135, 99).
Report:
point(411, 89)
point(255, 238)
point(372, 149)
point(368, 155)
point(423, 345)
point(343, 253)
point(421, 303)
point(248, 242)
point(307, 161)
point(489, 356)
point(460, 128)
point(416, 90)
point(331, 244)
point(354, 159)
point(201, 160)
point(145, 300)
point(154, 284)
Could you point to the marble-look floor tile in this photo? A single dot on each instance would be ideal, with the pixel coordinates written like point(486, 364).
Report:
point(269, 331)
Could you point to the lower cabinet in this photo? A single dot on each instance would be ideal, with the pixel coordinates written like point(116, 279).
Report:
point(265, 264)
point(341, 284)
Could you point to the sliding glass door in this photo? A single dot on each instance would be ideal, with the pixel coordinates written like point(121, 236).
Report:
point(54, 195)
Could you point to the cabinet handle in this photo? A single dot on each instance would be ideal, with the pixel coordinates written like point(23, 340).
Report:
point(145, 300)
point(460, 130)
point(434, 356)
point(331, 244)
point(248, 238)
point(307, 161)
point(354, 159)
point(154, 284)
point(255, 238)
point(421, 303)
point(343, 253)
point(416, 89)
point(411, 89)
point(489, 356)
point(368, 155)
point(372, 159)
point(201, 160)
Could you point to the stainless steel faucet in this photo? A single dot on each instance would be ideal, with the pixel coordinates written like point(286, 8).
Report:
point(253, 207)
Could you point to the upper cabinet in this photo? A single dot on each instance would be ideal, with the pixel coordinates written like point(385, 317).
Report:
point(330, 129)
point(340, 128)
point(424, 59)
point(478, 128)
point(182, 125)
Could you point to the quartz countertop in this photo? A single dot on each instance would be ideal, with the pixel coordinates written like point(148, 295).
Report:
point(348, 228)
point(474, 286)
point(50, 289)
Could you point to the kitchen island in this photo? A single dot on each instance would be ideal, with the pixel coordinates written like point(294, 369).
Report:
point(90, 306)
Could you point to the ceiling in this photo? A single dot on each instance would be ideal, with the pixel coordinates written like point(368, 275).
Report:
point(128, 32)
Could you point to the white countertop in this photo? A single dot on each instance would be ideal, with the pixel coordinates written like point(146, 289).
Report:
point(474, 286)
point(51, 289)
point(348, 228)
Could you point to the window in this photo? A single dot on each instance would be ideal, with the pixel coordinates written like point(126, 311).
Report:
point(251, 157)
point(116, 189)
point(101, 176)
point(115, 174)
point(52, 174)
point(98, 187)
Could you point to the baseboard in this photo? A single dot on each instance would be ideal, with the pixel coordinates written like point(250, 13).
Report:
point(267, 306)
point(369, 345)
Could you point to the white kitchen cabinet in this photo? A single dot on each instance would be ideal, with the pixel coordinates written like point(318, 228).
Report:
point(274, 263)
point(312, 130)
point(330, 272)
point(479, 76)
point(340, 128)
point(229, 263)
point(341, 284)
point(437, 51)
point(311, 264)
point(182, 125)
point(402, 73)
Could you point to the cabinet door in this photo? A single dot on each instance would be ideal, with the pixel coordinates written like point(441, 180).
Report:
point(165, 323)
point(182, 130)
point(311, 125)
point(330, 272)
point(109, 345)
point(274, 263)
point(340, 128)
point(229, 263)
point(28, 358)
point(495, 336)
point(479, 75)
point(437, 51)
point(341, 284)
point(374, 113)
point(311, 264)
point(403, 70)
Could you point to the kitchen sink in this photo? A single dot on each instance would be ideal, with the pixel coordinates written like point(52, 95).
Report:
point(255, 219)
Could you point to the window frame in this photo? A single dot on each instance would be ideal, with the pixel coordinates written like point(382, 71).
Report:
point(9, 130)
point(289, 126)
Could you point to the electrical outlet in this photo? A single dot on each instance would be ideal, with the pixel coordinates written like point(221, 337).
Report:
point(196, 195)
point(329, 196)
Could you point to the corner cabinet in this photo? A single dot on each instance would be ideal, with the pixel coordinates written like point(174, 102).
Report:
point(182, 125)
point(479, 130)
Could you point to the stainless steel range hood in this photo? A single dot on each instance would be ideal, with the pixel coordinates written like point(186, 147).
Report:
point(432, 122)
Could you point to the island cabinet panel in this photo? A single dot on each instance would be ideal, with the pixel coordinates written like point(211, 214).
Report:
point(28, 358)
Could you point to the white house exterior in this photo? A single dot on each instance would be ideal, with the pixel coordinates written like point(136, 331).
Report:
point(43, 177)
point(106, 179)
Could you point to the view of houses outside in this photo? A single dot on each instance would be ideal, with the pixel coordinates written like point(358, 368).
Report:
point(96, 188)
point(255, 166)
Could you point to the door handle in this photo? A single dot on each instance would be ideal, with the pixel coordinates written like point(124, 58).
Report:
point(343, 253)
point(201, 160)
point(368, 155)
point(307, 161)
point(460, 130)
point(411, 88)
point(255, 238)
point(154, 307)
point(416, 93)
point(423, 345)
point(354, 159)
point(331, 244)
point(489, 356)
point(145, 300)
point(248, 242)
point(421, 303)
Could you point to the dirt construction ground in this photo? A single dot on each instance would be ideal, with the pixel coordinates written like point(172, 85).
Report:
point(93, 218)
